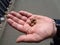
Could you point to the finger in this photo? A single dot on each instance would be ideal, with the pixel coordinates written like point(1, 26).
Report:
point(28, 38)
point(17, 20)
point(16, 25)
point(18, 15)
point(25, 13)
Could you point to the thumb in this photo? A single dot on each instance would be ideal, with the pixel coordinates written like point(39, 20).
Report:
point(27, 38)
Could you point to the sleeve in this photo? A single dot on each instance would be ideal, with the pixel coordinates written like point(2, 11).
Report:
point(58, 25)
point(56, 38)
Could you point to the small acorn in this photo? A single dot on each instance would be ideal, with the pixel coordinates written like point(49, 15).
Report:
point(33, 22)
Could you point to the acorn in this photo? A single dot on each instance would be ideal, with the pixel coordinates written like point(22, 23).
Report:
point(33, 22)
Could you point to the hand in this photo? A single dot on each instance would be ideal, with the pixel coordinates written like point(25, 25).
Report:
point(35, 27)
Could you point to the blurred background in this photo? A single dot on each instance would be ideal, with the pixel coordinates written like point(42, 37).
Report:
point(8, 35)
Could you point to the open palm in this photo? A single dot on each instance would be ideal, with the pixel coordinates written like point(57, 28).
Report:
point(36, 27)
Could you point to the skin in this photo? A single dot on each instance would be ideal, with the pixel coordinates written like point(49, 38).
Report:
point(38, 30)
